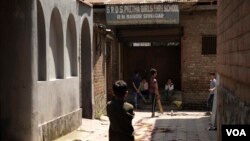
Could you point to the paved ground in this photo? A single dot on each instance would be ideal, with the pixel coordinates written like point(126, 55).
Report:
point(179, 126)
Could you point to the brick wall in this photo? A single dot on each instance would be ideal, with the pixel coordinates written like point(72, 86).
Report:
point(105, 65)
point(99, 73)
point(233, 63)
point(112, 67)
point(195, 66)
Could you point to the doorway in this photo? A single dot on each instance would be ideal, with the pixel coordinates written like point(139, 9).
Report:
point(109, 70)
point(86, 75)
point(166, 59)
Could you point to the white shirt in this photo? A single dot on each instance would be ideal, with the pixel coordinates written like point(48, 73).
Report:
point(143, 86)
point(146, 86)
point(169, 87)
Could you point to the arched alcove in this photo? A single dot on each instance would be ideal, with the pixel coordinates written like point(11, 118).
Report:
point(86, 68)
point(55, 50)
point(71, 48)
point(41, 60)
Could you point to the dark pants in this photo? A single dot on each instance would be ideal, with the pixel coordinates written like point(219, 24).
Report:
point(145, 94)
point(153, 103)
point(210, 102)
point(119, 137)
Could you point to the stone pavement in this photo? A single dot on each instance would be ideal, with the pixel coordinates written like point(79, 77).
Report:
point(178, 126)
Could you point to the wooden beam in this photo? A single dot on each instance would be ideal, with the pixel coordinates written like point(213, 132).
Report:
point(206, 7)
point(151, 39)
point(206, 0)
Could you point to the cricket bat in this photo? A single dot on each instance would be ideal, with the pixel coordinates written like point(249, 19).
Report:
point(143, 98)
point(160, 105)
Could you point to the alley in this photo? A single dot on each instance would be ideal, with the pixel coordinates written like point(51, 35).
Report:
point(181, 126)
point(60, 59)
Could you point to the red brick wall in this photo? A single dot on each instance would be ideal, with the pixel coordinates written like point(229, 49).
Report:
point(105, 65)
point(99, 71)
point(195, 66)
point(233, 62)
point(99, 74)
point(234, 45)
point(105, 71)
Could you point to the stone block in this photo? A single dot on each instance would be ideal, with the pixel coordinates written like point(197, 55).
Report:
point(63, 124)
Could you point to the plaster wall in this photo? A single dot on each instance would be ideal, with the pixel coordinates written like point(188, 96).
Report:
point(55, 88)
point(39, 100)
point(17, 116)
point(59, 95)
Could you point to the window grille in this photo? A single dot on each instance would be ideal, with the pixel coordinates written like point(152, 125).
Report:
point(209, 45)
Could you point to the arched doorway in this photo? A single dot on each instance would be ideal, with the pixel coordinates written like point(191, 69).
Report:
point(86, 72)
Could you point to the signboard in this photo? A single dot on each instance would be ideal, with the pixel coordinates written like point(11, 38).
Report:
point(125, 14)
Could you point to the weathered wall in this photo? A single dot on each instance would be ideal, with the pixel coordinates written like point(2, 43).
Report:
point(40, 88)
point(59, 94)
point(233, 63)
point(195, 66)
point(105, 64)
point(103, 71)
point(99, 73)
point(17, 114)
point(58, 107)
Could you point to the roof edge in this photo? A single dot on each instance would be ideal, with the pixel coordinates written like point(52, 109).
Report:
point(86, 3)
point(107, 2)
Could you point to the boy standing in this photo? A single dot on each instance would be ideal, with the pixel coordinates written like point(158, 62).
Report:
point(210, 102)
point(211, 91)
point(136, 83)
point(144, 87)
point(120, 114)
point(153, 89)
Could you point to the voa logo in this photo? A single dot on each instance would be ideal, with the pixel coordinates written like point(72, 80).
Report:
point(236, 132)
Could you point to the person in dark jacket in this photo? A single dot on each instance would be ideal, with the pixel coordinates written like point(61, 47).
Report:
point(120, 114)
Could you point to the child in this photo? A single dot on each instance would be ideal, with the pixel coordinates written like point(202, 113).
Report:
point(144, 88)
point(169, 88)
point(212, 89)
point(120, 114)
point(136, 83)
point(153, 89)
